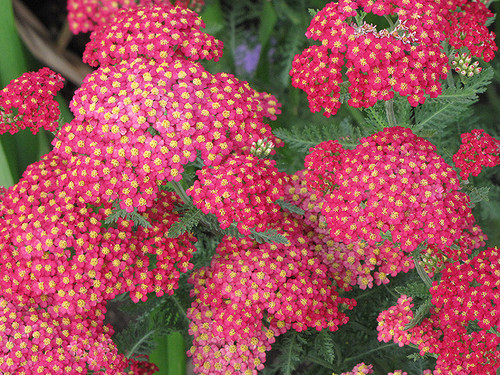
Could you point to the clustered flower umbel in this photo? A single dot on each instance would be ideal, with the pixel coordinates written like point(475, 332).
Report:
point(462, 64)
point(363, 369)
point(394, 183)
point(477, 150)
point(147, 116)
point(86, 15)
point(252, 293)
point(60, 265)
point(352, 263)
point(408, 60)
point(461, 329)
point(28, 102)
point(143, 114)
point(243, 189)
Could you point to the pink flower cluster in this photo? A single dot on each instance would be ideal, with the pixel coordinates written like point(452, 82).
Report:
point(61, 264)
point(408, 59)
point(86, 15)
point(477, 150)
point(137, 123)
point(28, 102)
point(394, 183)
point(467, 28)
point(252, 293)
point(461, 329)
point(145, 118)
point(154, 32)
point(242, 189)
point(321, 162)
point(362, 369)
point(352, 263)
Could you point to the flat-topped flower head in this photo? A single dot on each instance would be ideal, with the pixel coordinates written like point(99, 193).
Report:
point(467, 28)
point(477, 150)
point(144, 120)
point(352, 263)
point(252, 293)
point(153, 32)
point(461, 328)
point(56, 253)
point(407, 59)
point(243, 189)
point(395, 183)
point(86, 15)
point(28, 102)
point(34, 342)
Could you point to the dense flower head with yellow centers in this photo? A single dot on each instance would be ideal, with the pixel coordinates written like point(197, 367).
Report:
point(394, 183)
point(144, 120)
point(153, 32)
point(56, 253)
point(461, 328)
point(28, 102)
point(60, 262)
point(408, 58)
point(478, 150)
point(352, 263)
point(32, 341)
point(243, 189)
point(252, 293)
point(85, 15)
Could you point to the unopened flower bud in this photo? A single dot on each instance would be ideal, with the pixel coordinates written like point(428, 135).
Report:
point(262, 148)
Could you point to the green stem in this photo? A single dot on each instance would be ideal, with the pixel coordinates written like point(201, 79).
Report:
point(319, 361)
point(389, 20)
point(382, 347)
point(423, 275)
point(389, 110)
point(180, 191)
point(138, 343)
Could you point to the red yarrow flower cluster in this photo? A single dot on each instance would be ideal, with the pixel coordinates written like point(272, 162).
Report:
point(154, 32)
point(321, 162)
point(85, 15)
point(32, 341)
point(353, 263)
point(477, 150)
point(243, 189)
point(58, 259)
point(146, 118)
point(28, 102)
point(467, 28)
point(359, 369)
point(252, 293)
point(408, 60)
point(362, 369)
point(393, 322)
point(56, 252)
point(394, 183)
point(461, 330)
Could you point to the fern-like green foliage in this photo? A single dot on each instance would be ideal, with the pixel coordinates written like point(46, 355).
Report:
point(420, 313)
point(450, 106)
point(290, 207)
point(194, 216)
point(133, 216)
point(270, 236)
point(152, 320)
point(414, 289)
point(189, 220)
point(478, 194)
point(302, 138)
point(324, 347)
point(293, 347)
